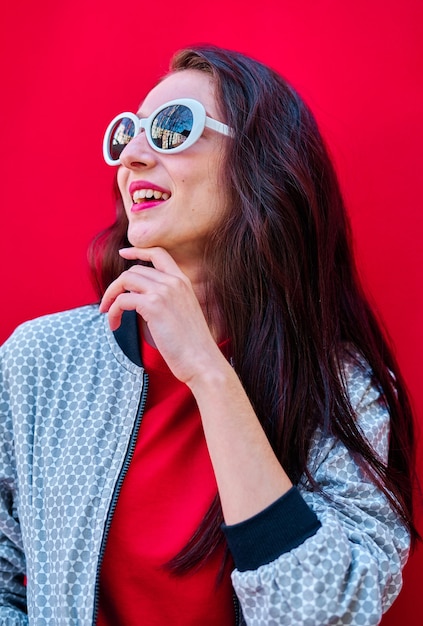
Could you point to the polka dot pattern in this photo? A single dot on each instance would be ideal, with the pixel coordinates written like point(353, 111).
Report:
point(350, 571)
point(70, 396)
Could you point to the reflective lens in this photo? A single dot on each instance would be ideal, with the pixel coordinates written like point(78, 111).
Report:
point(121, 134)
point(172, 126)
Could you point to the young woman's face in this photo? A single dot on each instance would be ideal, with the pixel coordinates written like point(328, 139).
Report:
point(193, 200)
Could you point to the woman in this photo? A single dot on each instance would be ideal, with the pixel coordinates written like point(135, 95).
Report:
point(232, 441)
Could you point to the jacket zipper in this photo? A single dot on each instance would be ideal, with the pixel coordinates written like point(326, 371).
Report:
point(119, 482)
point(113, 503)
point(237, 611)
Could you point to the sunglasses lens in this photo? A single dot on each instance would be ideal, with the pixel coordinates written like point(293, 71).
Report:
point(120, 135)
point(172, 126)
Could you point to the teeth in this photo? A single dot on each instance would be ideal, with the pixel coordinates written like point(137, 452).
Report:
point(143, 194)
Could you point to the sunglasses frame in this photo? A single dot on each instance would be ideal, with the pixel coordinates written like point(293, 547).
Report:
point(200, 122)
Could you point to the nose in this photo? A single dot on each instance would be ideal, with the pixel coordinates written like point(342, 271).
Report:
point(138, 153)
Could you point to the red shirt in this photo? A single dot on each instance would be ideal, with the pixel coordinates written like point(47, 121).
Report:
point(167, 490)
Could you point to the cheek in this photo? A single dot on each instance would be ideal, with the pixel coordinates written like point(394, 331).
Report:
point(216, 190)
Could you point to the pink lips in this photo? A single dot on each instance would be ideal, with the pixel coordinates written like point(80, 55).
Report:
point(146, 204)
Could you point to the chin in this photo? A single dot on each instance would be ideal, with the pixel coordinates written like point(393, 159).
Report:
point(139, 240)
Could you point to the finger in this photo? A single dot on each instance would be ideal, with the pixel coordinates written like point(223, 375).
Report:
point(132, 280)
point(140, 278)
point(124, 302)
point(159, 257)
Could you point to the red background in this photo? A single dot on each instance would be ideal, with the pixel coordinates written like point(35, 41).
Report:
point(69, 66)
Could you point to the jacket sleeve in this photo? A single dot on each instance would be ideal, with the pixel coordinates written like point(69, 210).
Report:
point(343, 564)
point(12, 559)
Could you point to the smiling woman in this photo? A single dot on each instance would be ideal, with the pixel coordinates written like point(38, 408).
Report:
point(189, 173)
point(232, 416)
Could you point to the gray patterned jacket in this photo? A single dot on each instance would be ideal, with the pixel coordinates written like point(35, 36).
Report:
point(70, 394)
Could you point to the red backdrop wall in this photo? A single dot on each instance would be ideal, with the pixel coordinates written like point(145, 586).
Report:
point(69, 66)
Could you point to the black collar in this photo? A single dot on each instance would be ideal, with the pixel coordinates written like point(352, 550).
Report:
point(127, 337)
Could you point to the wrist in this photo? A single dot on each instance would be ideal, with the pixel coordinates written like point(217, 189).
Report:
point(212, 373)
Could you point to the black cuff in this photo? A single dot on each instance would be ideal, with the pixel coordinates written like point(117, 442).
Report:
point(279, 528)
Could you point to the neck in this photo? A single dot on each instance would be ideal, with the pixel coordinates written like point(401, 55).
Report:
point(210, 310)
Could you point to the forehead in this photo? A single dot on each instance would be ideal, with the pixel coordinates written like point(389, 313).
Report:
point(183, 84)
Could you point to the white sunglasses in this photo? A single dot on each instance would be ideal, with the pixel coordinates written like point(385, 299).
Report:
point(173, 127)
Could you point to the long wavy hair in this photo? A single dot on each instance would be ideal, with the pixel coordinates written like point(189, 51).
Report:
point(282, 275)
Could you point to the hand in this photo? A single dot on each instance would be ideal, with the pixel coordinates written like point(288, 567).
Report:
point(164, 297)
point(248, 475)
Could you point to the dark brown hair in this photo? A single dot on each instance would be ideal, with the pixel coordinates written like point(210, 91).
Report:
point(282, 275)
